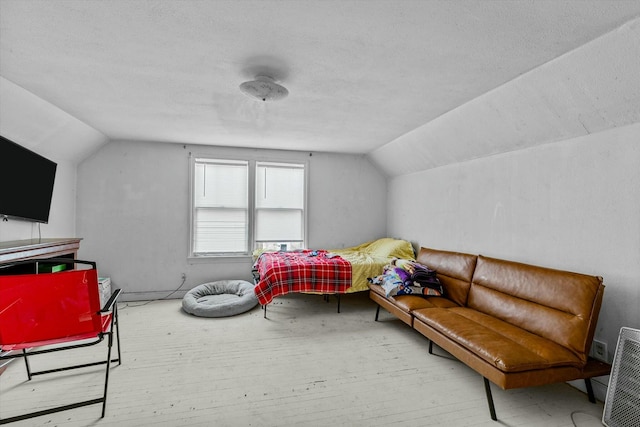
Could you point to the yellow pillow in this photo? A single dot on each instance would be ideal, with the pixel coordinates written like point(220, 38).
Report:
point(390, 248)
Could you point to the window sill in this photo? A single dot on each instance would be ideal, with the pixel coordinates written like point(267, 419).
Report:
point(214, 259)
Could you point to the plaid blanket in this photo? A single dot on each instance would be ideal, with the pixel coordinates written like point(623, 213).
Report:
point(303, 271)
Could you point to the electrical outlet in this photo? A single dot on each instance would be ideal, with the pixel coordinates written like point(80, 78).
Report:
point(600, 350)
point(184, 276)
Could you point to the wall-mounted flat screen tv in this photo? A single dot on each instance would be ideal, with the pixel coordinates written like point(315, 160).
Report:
point(26, 183)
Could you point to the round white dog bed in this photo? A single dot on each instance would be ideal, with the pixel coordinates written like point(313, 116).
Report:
point(220, 299)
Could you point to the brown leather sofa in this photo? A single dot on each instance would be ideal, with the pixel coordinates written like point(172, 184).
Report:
point(515, 324)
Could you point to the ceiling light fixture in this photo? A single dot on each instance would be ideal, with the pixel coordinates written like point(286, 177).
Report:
point(264, 88)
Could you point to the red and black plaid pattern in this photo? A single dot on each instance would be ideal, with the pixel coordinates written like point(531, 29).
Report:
point(304, 271)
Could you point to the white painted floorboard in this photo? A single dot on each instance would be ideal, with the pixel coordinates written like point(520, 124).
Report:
point(305, 365)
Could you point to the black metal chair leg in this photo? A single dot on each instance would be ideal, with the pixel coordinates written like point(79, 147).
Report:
point(377, 313)
point(106, 375)
point(26, 363)
point(338, 295)
point(487, 389)
point(116, 322)
point(430, 347)
point(592, 397)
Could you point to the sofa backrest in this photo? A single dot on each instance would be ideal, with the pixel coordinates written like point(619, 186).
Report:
point(454, 270)
point(559, 305)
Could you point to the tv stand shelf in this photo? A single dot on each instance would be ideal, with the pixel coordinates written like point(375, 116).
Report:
point(18, 250)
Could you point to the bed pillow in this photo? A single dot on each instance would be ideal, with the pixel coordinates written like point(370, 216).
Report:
point(390, 248)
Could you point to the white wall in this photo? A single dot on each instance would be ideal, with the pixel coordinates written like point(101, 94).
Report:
point(133, 207)
point(565, 192)
point(45, 129)
point(572, 205)
point(588, 90)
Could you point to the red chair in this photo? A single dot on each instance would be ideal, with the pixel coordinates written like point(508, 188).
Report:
point(61, 308)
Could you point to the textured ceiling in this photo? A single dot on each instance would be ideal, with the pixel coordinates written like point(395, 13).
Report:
point(360, 73)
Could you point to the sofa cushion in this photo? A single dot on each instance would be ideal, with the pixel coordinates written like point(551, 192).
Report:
point(507, 347)
point(454, 271)
point(558, 305)
point(408, 303)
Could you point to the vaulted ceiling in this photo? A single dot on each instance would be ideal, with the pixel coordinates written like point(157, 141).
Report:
point(361, 74)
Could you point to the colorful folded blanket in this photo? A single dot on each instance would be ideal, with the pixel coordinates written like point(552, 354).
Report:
point(408, 277)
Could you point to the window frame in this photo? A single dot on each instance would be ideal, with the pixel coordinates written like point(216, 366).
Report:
point(251, 235)
point(275, 165)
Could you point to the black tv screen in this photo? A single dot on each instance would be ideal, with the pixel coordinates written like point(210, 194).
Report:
point(26, 183)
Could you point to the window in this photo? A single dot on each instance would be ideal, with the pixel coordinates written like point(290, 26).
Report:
point(220, 207)
point(242, 205)
point(279, 206)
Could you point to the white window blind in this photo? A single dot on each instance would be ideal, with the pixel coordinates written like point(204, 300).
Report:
point(221, 206)
point(243, 205)
point(279, 202)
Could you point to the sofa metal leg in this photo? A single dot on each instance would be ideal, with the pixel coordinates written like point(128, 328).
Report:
point(592, 397)
point(487, 389)
point(377, 313)
point(430, 347)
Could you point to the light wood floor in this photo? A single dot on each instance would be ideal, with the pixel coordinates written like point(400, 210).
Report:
point(305, 365)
